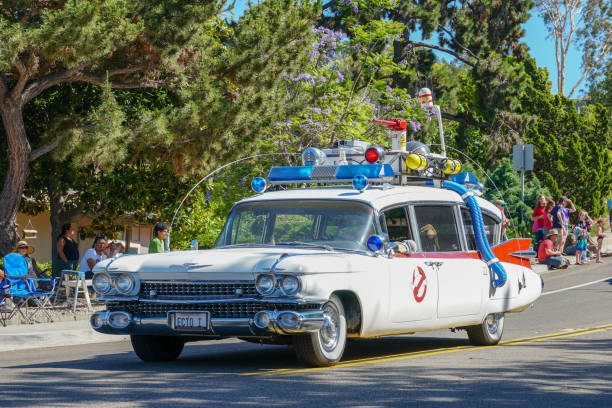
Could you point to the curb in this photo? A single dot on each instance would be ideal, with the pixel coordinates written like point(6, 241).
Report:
point(24, 337)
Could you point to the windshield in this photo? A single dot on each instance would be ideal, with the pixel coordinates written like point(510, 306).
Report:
point(324, 223)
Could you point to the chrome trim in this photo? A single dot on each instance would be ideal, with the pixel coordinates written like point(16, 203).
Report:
point(198, 282)
point(169, 300)
point(117, 298)
point(308, 322)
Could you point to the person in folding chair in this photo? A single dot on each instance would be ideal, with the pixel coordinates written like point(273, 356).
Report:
point(34, 271)
point(22, 289)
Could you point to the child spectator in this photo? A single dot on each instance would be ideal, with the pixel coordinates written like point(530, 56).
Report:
point(547, 221)
point(600, 238)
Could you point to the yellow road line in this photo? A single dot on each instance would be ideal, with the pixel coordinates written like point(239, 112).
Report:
point(443, 350)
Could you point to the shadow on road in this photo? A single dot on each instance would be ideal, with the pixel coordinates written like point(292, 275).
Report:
point(206, 375)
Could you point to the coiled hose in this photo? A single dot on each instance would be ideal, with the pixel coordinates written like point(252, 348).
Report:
point(479, 232)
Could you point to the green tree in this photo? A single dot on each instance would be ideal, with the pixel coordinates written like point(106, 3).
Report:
point(572, 149)
point(224, 78)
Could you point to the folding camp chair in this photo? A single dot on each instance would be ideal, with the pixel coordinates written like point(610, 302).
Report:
point(6, 305)
point(22, 289)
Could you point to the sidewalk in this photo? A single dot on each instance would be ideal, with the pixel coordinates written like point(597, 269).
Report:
point(67, 333)
point(606, 247)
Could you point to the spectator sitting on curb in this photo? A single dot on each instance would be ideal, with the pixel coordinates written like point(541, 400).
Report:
point(548, 255)
point(570, 244)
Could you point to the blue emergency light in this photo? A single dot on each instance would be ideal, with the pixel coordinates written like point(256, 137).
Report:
point(339, 174)
point(297, 173)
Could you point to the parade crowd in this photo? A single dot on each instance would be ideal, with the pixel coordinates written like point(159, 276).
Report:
point(555, 236)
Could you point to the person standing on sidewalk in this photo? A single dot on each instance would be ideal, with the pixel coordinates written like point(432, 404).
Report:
point(539, 214)
point(600, 238)
point(560, 214)
point(160, 232)
point(67, 250)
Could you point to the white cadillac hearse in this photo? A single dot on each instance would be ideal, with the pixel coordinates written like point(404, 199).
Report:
point(397, 243)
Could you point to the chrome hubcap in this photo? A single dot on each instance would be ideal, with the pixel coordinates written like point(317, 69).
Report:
point(493, 322)
point(330, 332)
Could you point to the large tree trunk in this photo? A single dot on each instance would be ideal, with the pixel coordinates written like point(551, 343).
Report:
point(18, 156)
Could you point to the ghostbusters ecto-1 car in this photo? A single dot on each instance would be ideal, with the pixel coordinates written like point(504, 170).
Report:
point(395, 243)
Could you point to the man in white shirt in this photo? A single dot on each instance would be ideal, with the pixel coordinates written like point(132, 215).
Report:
point(93, 256)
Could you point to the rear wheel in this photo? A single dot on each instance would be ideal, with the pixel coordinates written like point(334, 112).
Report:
point(489, 332)
point(326, 346)
point(157, 348)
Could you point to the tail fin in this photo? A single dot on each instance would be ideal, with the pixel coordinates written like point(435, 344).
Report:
point(514, 251)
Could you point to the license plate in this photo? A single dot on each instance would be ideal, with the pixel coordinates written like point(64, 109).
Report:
point(196, 321)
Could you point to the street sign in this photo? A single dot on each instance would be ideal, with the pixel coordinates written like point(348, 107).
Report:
point(522, 157)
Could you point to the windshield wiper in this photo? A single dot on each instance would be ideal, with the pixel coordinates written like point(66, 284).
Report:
point(308, 244)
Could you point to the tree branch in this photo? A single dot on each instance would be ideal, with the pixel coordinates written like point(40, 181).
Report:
point(436, 47)
point(603, 52)
point(447, 31)
point(36, 153)
point(125, 70)
point(101, 80)
point(23, 79)
point(35, 88)
point(466, 120)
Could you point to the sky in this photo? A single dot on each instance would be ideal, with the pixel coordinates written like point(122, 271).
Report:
point(541, 47)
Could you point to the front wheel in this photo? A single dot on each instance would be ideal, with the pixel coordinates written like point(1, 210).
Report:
point(489, 332)
point(157, 348)
point(325, 347)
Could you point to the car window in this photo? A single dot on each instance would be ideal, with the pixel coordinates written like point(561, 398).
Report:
point(397, 223)
point(490, 226)
point(293, 227)
point(335, 223)
point(469, 229)
point(248, 228)
point(437, 228)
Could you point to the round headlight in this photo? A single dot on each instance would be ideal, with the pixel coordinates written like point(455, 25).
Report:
point(290, 285)
point(265, 284)
point(102, 283)
point(124, 283)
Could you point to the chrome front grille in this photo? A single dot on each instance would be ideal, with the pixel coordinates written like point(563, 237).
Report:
point(174, 288)
point(218, 310)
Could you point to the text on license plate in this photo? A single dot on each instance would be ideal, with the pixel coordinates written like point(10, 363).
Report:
point(190, 321)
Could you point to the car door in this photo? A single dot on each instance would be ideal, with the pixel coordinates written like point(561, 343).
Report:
point(460, 272)
point(412, 284)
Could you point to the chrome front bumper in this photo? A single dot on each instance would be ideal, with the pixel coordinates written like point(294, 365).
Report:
point(301, 322)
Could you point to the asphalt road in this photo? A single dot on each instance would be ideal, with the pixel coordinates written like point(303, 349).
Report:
point(555, 354)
